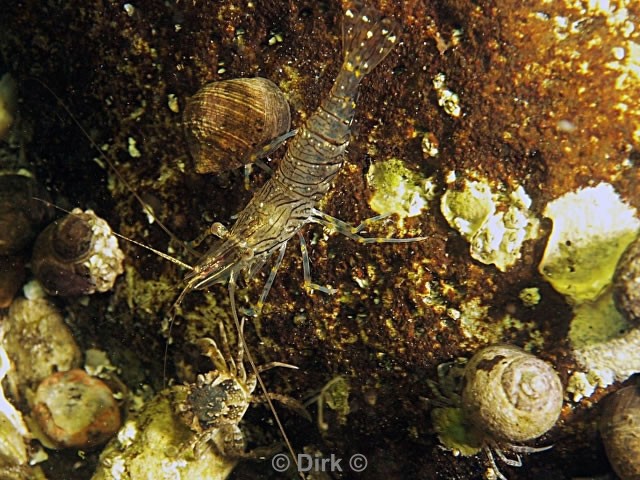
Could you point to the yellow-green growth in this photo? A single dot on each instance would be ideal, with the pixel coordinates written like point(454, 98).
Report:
point(396, 189)
point(455, 432)
point(591, 229)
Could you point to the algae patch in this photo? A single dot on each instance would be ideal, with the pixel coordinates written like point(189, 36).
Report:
point(591, 229)
point(396, 189)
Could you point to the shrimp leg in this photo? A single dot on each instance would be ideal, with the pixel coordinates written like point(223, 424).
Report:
point(353, 232)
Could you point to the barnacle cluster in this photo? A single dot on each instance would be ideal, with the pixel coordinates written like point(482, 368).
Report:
point(75, 410)
point(67, 407)
point(495, 221)
point(77, 255)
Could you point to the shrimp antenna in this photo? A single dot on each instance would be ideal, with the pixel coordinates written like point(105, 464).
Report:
point(263, 387)
point(135, 242)
point(145, 206)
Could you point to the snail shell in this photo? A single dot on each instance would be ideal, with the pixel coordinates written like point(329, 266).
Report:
point(75, 410)
point(620, 430)
point(21, 215)
point(77, 255)
point(626, 283)
point(510, 394)
point(227, 122)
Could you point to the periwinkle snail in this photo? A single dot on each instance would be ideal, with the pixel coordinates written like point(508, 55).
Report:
point(227, 122)
point(77, 255)
point(510, 394)
point(620, 431)
point(504, 396)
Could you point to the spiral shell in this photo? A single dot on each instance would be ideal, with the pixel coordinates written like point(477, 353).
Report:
point(227, 122)
point(21, 214)
point(620, 430)
point(626, 283)
point(510, 394)
point(77, 255)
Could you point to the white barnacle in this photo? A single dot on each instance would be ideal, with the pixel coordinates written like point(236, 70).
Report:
point(369, 34)
point(348, 13)
point(366, 19)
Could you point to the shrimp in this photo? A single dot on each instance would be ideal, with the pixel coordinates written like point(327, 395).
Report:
point(289, 199)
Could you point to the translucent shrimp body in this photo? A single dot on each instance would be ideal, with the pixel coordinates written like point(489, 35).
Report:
point(289, 199)
point(315, 155)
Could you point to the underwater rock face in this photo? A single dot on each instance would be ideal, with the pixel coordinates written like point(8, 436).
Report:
point(536, 94)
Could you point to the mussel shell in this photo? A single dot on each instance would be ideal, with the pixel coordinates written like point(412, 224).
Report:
point(626, 283)
point(620, 431)
point(226, 122)
point(21, 213)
